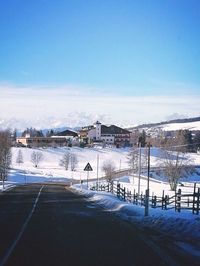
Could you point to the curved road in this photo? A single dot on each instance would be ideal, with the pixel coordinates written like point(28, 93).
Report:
point(52, 225)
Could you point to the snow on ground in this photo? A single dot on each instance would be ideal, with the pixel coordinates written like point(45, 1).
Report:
point(179, 126)
point(50, 170)
point(50, 167)
point(183, 224)
point(182, 227)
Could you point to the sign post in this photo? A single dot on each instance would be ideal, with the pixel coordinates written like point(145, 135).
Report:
point(88, 168)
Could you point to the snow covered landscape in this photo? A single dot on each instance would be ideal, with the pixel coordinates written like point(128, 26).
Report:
point(179, 126)
point(100, 133)
point(170, 222)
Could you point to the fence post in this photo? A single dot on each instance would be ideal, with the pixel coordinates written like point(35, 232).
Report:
point(111, 187)
point(163, 199)
point(130, 195)
point(141, 199)
point(194, 194)
point(178, 200)
point(124, 194)
point(147, 203)
point(166, 201)
point(134, 196)
point(198, 197)
point(118, 190)
point(155, 199)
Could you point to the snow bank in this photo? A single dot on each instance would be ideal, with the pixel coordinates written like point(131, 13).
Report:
point(184, 226)
point(7, 186)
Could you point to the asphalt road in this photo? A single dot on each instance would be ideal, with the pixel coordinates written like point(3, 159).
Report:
point(52, 225)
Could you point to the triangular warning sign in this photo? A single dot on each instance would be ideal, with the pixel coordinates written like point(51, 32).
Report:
point(88, 167)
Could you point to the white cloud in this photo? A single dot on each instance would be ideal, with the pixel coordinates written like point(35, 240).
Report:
point(70, 102)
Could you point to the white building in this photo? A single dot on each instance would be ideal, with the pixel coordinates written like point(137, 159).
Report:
point(108, 134)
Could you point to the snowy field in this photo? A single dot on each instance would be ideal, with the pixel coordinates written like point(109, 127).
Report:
point(50, 170)
point(179, 126)
point(184, 226)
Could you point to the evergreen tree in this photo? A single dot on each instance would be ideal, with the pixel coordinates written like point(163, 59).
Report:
point(142, 138)
point(196, 141)
point(50, 133)
point(33, 132)
point(15, 134)
point(183, 140)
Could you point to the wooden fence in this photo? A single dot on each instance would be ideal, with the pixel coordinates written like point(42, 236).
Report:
point(178, 201)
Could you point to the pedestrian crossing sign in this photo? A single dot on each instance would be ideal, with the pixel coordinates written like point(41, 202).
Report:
point(88, 167)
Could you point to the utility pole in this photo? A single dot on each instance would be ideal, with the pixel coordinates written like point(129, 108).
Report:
point(147, 191)
point(139, 168)
point(97, 171)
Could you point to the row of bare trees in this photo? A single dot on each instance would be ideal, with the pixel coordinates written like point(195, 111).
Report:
point(36, 158)
point(173, 162)
point(68, 159)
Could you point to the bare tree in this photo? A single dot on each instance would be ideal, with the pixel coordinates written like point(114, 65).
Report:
point(109, 168)
point(5, 154)
point(19, 158)
point(133, 159)
point(176, 165)
point(36, 158)
point(65, 160)
point(74, 162)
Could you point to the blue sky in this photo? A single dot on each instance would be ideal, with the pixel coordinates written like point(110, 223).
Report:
point(116, 48)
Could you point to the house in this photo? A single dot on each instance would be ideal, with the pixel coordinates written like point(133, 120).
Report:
point(106, 134)
point(67, 133)
point(60, 139)
point(70, 136)
point(54, 141)
point(83, 134)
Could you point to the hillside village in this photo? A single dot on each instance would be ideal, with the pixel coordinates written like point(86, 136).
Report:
point(62, 160)
point(90, 135)
point(99, 134)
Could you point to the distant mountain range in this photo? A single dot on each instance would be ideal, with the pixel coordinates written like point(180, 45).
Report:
point(75, 121)
point(71, 121)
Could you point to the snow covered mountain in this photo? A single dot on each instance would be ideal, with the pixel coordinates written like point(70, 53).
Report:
point(71, 120)
point(192, 124)
point(177, 126)
point(77, 119)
